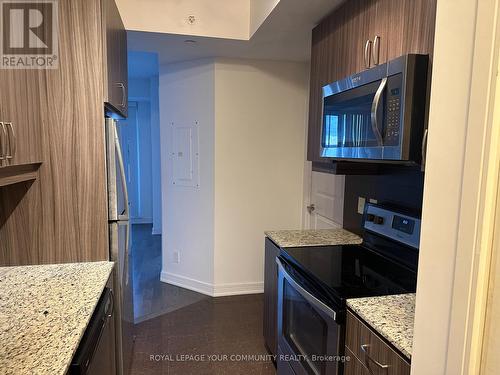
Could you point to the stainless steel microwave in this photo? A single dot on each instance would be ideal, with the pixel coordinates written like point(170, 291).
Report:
point(378, 114)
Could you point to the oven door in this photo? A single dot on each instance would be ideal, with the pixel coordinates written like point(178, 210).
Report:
point(309, 338)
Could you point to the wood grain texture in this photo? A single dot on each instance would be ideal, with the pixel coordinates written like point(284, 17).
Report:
point(357, 334)
point(62, 217)
point(419, 26)
point(115, 59)
point(354, 366)
point(15, 174)
point(338, 41)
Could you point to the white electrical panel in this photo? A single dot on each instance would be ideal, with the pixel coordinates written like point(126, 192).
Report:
point(184, 155)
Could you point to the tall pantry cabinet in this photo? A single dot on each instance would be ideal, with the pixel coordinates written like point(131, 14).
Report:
point(53, 198)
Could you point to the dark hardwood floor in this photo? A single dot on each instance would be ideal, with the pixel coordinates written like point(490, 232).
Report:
point(183, 332)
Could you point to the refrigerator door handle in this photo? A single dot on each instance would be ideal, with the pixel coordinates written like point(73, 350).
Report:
point(125, 214)
point(127, 252)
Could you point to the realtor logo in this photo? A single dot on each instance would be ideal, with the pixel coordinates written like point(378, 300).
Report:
point(29, 34)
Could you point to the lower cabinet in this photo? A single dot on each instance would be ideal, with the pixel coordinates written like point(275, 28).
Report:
point(271, 296)
point(96, 353)
point(354, 366)
point(370, 354)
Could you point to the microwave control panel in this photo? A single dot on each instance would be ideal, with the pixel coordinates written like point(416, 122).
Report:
point(393, 111)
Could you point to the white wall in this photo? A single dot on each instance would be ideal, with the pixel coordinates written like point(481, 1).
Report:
point(186, 96)
point(252, 152)
point(155, 154)
point(214, 18)
point(259, 163)
point(144, 91)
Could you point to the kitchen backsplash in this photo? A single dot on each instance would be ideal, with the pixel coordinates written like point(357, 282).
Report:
point(396, 185)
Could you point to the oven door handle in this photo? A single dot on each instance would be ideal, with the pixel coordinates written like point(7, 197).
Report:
point(305, 294)
point(374, 114)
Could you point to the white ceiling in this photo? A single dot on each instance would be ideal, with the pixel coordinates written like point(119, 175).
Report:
point(284, 35)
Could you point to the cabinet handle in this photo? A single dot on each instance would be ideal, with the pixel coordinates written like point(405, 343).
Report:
point(112, 308)
point(12, 140)
point(122, 87)
point(424, 148)
point(368, 53)
point(364, 348)
point(376, 50)
point(3, 141)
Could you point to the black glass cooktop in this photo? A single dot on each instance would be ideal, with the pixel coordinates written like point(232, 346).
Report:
point(348, 271)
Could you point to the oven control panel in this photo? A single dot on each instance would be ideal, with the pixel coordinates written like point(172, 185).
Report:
point(396, 226)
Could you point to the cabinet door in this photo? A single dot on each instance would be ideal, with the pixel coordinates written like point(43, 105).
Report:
point(115, 59)
point(377, 354)
point(271, 296)
point(354, 366)
point(418, 26)
point(20, 111)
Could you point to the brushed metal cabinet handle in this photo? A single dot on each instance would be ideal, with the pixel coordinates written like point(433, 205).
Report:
point(368, 53)
point(122, 87)
point(12, 140)
point(3, 141)
point(424, 148)
point(376, 50)
point(364, 348)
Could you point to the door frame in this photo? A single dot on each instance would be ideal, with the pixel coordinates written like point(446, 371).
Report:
point(456, 240)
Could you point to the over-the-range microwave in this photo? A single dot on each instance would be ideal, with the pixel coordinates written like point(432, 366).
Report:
point(377, 115)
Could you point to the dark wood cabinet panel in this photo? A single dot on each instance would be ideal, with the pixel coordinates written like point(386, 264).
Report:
point(338, 46)
point(115, 59)
point(354, 365)
point(62, 215)
point(20, 112)
point(376, 350)
point(419, 18)
point(270, 323)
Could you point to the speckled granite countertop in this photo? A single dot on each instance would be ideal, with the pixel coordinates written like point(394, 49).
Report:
point(44, 311)
point(310, 237)
point(391, 316)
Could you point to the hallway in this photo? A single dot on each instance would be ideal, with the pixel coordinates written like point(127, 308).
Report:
point(151, 296)
point(174, 325)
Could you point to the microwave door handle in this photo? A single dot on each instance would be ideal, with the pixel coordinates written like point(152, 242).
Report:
point(305, 294)
point(375, 107)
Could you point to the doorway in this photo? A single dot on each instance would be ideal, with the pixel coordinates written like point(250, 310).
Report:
point(326, 201)
point(140, 143)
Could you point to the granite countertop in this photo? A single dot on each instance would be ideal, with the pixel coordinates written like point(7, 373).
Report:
point(311, 237)
point(44, 311)
point(391, 316)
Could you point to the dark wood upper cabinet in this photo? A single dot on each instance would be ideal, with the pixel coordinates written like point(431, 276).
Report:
point(339, 41)
point(20, 112)
point(115, 59)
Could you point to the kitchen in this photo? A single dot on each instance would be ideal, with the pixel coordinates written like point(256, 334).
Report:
point(57, 190)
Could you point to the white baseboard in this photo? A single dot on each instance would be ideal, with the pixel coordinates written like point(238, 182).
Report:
point(211, 289)
point(187, 283)
point(234, 289)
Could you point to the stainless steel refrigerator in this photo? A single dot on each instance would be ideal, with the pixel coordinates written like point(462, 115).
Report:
point(119, 246)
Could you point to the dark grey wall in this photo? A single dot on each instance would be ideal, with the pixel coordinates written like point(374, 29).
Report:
point(396, 185)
